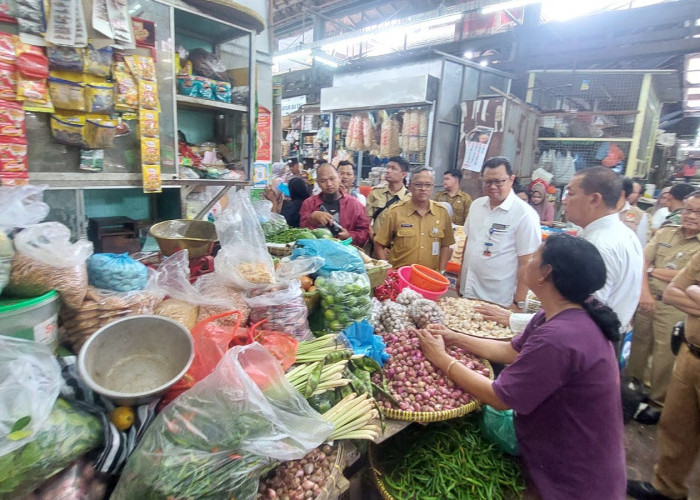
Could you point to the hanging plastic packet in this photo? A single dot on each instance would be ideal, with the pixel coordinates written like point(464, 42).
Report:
point(68, 129)
point(222, 92)
point(13, 158)
point(126, 90)
point(32, 71)
point(148, 123)
point(92, 160)
point(100, 134)
point(81, 37)
point(187, 85)
point(150, 151)
point(67, 91)
point(98, 61)
point(60, 29)
point(65, 58)
point(148, 95)
point(12, 122)
point(151, 178)
point(8, 81)
point(141, 67)
point(7, 48)
point(31, 21)
point(8, 8)
point(99, 98)
point(120, 21)
point(205, 88)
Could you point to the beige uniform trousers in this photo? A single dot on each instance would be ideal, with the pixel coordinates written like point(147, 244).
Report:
point(652, 339)
point(678, 437)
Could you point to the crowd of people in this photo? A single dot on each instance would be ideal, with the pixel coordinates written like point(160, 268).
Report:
point(627, 271)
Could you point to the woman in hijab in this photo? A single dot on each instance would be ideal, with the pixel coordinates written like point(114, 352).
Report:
point(298, 192)
point(538, 201)
point(272, 191)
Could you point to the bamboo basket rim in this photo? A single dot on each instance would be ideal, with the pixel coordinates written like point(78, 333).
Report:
point(377, 473)
point(336, 472)
point(436, 416)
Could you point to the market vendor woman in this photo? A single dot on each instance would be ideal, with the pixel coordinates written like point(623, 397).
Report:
point(563, 379)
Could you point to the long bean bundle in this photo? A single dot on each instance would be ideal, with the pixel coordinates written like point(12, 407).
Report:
point(447, 460)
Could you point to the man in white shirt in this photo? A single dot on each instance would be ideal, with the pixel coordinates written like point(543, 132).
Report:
point(591, 202)
point(502, 232)
point(631, 215)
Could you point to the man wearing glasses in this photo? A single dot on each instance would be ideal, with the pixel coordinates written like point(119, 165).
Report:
point(665, 255)
point(418, 230)
point(502, 232)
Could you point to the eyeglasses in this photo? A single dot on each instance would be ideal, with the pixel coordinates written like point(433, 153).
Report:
point(423, 186)
point(688, 211)
point(494, 182)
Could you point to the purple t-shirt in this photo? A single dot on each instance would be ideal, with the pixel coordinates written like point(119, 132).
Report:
point(564, 387)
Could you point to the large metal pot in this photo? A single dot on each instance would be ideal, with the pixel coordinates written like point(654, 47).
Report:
point(136, 359)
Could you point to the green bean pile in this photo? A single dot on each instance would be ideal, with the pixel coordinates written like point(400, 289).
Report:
point(447, 460)
point(289, 235)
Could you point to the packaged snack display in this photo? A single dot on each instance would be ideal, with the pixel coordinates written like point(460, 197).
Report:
point(126, 90)
point(13, 158)
point(65, 58)
point(222, 91)
point(151, 178)
point(141, 67)
point(205, 88)
point(148, 95)
point(68, 129)
point(92, 160)
point(148, 123)
point(188, 85)
point(67, 94)
point(7, 47)
point(8, 81)
point(150, 151)
point(98, 61)
point(12, 122)
point(99, 98)
point(31, 20)
point(100, 134)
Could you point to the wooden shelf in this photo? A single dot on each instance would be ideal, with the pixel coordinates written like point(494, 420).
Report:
point(188, 102)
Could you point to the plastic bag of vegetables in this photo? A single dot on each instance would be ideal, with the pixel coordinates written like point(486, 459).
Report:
point(345, 299)
point(215, 440)
point(67, 434)
point(283, 307)
point(119, 273)
point(270, 222)
point(337, 257)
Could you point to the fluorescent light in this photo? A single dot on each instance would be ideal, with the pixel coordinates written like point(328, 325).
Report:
point(298, 54)
point(512, 4)
point(484, 63)
point(326, 61)
point(469, 54)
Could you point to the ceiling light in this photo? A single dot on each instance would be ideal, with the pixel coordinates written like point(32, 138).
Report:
point(297, 54)
point(469, 54)
point(326, 61)
point(483, 63)
point(507, 5)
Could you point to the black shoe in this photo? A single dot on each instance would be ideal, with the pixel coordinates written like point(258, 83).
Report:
point(648, 416)
point(644, 491)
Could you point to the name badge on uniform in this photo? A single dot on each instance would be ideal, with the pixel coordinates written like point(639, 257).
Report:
point(436, 247)
point(498, 227)
point(406, 225)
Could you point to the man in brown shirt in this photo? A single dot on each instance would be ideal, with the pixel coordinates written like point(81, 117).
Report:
point(458, 199)
point(678, 437)
point(665, 255)
point(383, 197)
point(418, 230)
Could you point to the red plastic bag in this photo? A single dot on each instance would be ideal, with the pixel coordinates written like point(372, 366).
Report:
point(281, 345)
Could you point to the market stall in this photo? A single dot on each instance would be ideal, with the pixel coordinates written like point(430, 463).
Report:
point(173, 368)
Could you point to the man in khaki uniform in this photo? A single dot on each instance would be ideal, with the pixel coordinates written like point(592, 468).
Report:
point(666, 254)
point(418, 230)
point(458, 199)
point(678, 437)
point(382, 197)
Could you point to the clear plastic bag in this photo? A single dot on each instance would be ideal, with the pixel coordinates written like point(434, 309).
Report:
point(243, 260)
point(79, 481)
point(30, 381)
point(7, 251)
point(220, 298)
point(337, 257)
point(289, 269)
point(270, 222)
point(22, 206)
point(345, 299)
point(119, 273)
point(283, 307)
point(215, 440)
point(50, 243)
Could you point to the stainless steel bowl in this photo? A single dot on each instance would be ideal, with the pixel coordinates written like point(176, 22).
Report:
point(136, 359)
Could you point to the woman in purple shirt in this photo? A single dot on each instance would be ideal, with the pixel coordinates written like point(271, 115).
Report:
point(562, 380)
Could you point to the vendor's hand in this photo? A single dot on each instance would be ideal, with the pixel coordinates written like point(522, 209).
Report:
point(646, 301)
point(343, 235)
point(494, 313)
point(433, 346)
point(321, 218)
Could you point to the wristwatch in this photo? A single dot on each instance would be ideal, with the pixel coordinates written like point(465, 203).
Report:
point(521, 305)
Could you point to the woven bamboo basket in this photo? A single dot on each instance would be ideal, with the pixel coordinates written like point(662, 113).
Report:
point(435, 416)
point(329, 489)
point(377, 474)
point(280, 249)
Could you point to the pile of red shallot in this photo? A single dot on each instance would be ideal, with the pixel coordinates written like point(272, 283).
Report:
point(418, 385)
point(299, 479)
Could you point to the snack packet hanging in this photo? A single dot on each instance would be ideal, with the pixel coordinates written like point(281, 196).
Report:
point(8, 81)
point(148, 123)
point(141, 67)
point(68, 129)
point(151, 179)
point(126, 91)
point(222, 92)
point(150, 151)
point(65, 58)
point(100, 134)
point(148, 95)
point(98, 61)
point(13, 158)
point(7, 47)
point(67, 90)
point(99, 98)
point(12, 127)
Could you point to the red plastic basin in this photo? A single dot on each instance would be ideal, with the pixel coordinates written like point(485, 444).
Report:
point(404, 281)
